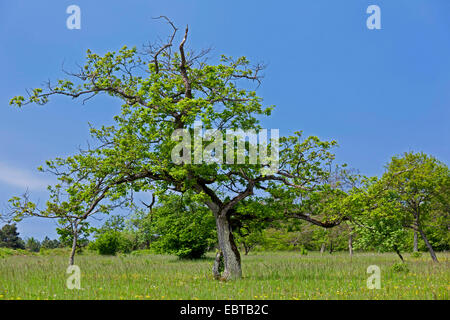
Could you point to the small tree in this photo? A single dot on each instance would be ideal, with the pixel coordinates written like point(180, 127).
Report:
point(113, 237)
point(404, 197)
point(416, 181)
point(249, 238)
point(255, 218)
point(108, 243)
point(72, 232)
point(73, 200)
point(32, 245)
point(382, 234)
point(50, 244)
point(9, 237)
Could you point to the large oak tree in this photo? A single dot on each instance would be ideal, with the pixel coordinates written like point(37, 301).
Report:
point(168, 88)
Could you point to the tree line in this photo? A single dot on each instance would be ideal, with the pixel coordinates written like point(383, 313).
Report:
point(9, 238)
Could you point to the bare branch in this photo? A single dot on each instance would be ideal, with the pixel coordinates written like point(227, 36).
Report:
point(187, 84)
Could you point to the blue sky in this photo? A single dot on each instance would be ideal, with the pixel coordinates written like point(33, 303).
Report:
point(377, 92)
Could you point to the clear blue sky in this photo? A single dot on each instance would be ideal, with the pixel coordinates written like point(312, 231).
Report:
point(378, 92)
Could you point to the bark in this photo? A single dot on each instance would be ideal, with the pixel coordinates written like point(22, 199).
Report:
point(350, 244)
point(418, 228)
point(231, 257)
point(416, 248)
point(218, 265)
point(430, 248)
point(398, 253)
point(331, 247)
point(247, 248)
point(74, 248)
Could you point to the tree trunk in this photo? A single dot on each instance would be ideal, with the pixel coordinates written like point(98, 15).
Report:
point(398, 253)
point(331, 247)
point(322, 248)
point(416, 248)
point(430, 248)
point(231, 257)
point(246, 248)
point(218, 265)
point(74, 248)
point(350, 244)
point(418, 227)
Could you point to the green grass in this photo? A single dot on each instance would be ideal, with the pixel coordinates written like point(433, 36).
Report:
point(279, 275)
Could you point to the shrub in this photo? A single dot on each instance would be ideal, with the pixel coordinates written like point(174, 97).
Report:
point(416, 254)
point(50, 244)
point(6, 252)
point(184, 227)
point(33, 245)
point(399, 267)
point(126, 244)
point(303, 251)
point(55, 252)
point(108, 243)
point(112, 242)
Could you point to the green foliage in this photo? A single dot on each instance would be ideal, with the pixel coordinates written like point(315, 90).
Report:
point(248, 231)
point(114, 223)
point(32, 245)
point(110, 242)
point(114, 228)
point(250, 240)
point(66, 234)
point(416, 188)
point(126, 242)
point(382, 234)
point(4, 252)
point(294, 236)
point(7, 252)
point(55, 251)
point(107, 243)
point(185, 227)
point(142, 252)
point(277, 240)
point(9, 237)
point(303, 251)
point(50, 244)
point(437, 226)
point(416, 254)
point(411, 194)
point(399, 267)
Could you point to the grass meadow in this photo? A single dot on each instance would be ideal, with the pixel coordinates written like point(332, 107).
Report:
point(267, 275)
